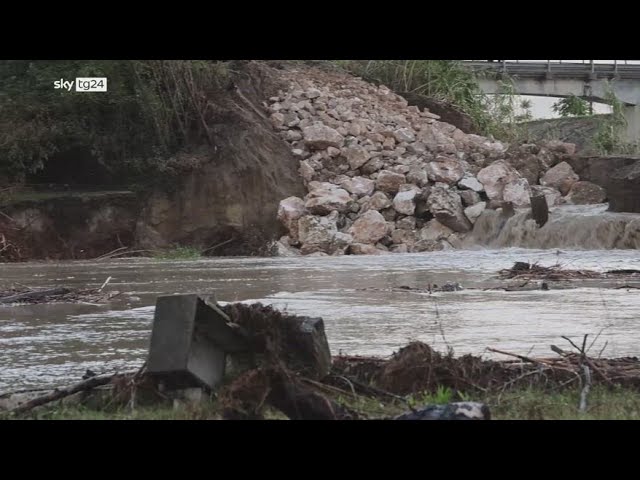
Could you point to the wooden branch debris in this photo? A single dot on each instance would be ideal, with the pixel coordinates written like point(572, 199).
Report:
point(606, 370)
point(59, 394)
point(58, 294)
point(34, 295)
point(522, 357)
point(533, 271)
point(528, 271)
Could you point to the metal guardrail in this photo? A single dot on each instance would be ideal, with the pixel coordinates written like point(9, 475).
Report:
point(589, 69)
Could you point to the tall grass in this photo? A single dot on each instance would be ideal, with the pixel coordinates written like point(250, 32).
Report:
point(154, 110)
point(519, 404)
point(449, 81)
point(175, 97)
point(609, 138)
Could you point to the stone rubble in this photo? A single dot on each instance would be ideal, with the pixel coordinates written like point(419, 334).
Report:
point(383, 177)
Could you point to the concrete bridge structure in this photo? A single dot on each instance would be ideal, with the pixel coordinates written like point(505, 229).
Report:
point(587, 80)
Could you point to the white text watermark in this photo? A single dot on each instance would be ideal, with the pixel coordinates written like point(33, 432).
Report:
point(82, 84)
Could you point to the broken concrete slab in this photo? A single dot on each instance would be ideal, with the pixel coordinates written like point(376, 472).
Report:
point(189, 342)
point(194, 341)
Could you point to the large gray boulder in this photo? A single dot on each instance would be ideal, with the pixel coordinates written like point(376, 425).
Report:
point(561, 177)
point(356, 156)
point(359, 185)
point(434, 230)
point(389, 182)
point(470, 182)
point(319, 137)
point(289, 212)
point(324, 198)
point(584, 193)
point(473, 212)
point(552, 195)
point(320, 234)
point(517, 192)
point(369, 228)
point(378, 201)
point(446, 170)
point(495, 177)
point(404, 201)
point(446, 206)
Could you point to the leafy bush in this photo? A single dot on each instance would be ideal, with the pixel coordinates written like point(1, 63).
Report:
point(152, 111)
point(609, 138)
point(571, 106)
point(451, 82)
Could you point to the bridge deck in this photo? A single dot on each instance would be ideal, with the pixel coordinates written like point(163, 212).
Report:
point(557, 70)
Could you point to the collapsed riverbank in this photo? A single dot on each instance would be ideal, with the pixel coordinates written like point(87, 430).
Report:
point(338, 166)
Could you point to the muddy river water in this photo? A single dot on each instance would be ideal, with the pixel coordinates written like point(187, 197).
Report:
point(45, 345)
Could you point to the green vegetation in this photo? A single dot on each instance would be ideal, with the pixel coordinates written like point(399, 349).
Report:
point(521, 404)
point(442, 395)
point(609, 138)
point(603, 404)
point(207, 410)
point(155, 120)
point(572, 106)
point(448, 81)
point(494, 115)
point(178, 253)
point(156, 111)
point(441, 79)
point(153, 111)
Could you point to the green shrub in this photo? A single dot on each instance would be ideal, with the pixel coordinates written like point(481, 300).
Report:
point(152, 111)
point(451, 82)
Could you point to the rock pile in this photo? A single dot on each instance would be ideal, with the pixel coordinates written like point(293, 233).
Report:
point(383, 176)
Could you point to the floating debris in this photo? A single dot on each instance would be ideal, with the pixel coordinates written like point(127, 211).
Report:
point(533, 271)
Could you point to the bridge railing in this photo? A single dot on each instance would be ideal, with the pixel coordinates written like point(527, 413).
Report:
point(563, 68)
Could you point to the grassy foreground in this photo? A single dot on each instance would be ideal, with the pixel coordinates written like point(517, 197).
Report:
point(603, 404)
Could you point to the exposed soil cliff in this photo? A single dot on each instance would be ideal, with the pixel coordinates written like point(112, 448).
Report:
point(235, 194)
point(74, 226)
point(231, 195)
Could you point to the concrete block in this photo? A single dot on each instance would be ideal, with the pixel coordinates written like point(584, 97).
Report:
point(189, 342)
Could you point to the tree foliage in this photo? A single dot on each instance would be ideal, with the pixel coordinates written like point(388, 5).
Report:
point(152, 111)
point(571, 106)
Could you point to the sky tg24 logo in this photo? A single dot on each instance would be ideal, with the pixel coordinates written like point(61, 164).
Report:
point(82, 84)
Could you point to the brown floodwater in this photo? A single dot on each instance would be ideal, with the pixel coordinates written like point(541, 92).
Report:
point(47, 345)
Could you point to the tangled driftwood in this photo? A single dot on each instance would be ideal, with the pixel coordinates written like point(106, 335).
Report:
point(533, 271)
point(413, 369)
point(57, 294)
point(417, 368)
